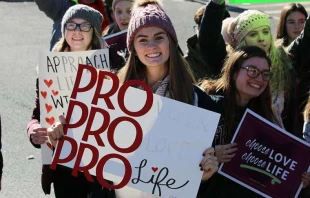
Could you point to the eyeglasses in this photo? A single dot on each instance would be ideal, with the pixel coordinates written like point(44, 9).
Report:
point(253, 72)
point(84, 27)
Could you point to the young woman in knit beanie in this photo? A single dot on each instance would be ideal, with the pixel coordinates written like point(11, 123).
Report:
point(121, 15)
point(155, 59)
point(252, 28)
point(81, 25)
point(244, 82)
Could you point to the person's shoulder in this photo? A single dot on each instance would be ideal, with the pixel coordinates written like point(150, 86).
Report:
point(210, 102)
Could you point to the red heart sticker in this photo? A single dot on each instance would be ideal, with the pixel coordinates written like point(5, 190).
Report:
point(55, 93)
point(48, 108)
point(43, 94)
point(154, 169)
point(50, 120)
point(48, 82)
point(49, 145)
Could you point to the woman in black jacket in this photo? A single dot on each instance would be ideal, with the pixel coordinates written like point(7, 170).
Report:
point(251, 28)
point(244, 83)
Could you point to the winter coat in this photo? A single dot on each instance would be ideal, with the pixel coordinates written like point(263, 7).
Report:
point(64, 184)
point(299, 51)
point(219, 186)
point(196, 61)
point(55, 10)
point(214, 53)
point(211, 42)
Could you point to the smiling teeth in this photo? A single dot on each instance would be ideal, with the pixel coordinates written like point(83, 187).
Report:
point(153, 55)
point(255, 85)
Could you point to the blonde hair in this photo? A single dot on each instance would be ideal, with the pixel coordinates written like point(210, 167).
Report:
point(307, 111)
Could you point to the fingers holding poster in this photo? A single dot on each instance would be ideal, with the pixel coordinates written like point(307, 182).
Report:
point(133, 137)
point(269, 160)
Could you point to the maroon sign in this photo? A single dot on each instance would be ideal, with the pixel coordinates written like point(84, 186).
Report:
point(117, 49)
point(269, 160)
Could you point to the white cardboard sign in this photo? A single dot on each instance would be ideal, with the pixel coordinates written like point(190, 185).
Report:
point(57, 72)
point(173, 138)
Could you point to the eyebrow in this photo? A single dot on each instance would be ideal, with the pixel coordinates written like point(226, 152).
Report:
point(158, 33)
point(297, 19)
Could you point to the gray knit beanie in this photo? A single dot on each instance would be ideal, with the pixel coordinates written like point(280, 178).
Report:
point(149, 13)
point(85, 12)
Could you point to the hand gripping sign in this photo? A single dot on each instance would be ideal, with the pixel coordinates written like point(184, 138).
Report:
point(269, 160)
point(133, 137)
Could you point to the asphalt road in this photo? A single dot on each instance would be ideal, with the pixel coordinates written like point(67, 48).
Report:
point(24, 31)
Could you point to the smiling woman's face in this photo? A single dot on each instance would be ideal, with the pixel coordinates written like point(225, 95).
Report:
point(152, 47)
point(249, 87)
point(79, 40)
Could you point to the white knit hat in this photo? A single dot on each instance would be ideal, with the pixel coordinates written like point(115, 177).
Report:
point(235, 29)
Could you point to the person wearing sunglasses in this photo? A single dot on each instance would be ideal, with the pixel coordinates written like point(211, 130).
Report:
point(244, 83)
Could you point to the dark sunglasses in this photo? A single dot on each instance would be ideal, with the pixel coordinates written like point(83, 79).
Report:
point(84, 27)
point(253, 72)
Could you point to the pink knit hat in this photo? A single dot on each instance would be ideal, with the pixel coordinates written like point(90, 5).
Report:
point(148, 13)
point(235, 29)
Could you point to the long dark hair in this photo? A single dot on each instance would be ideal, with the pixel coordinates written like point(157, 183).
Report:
point(226, 86)
point(180, 75)
point(281, 32)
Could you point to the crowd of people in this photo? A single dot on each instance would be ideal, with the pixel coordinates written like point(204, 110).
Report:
point(236, 65)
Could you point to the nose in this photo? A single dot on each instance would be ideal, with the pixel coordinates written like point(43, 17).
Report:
point(261, 37)
point(124, 16)
point(151, 44)
point(260, 77)
point(298, 25)
point(77, 28)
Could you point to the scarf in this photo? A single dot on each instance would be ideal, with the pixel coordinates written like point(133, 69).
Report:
point(161, 88)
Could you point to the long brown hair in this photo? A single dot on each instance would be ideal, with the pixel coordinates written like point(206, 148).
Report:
point(281, 32)
point(307, 111)
point(95, 42)
point(226, 86)
point(180, 75)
